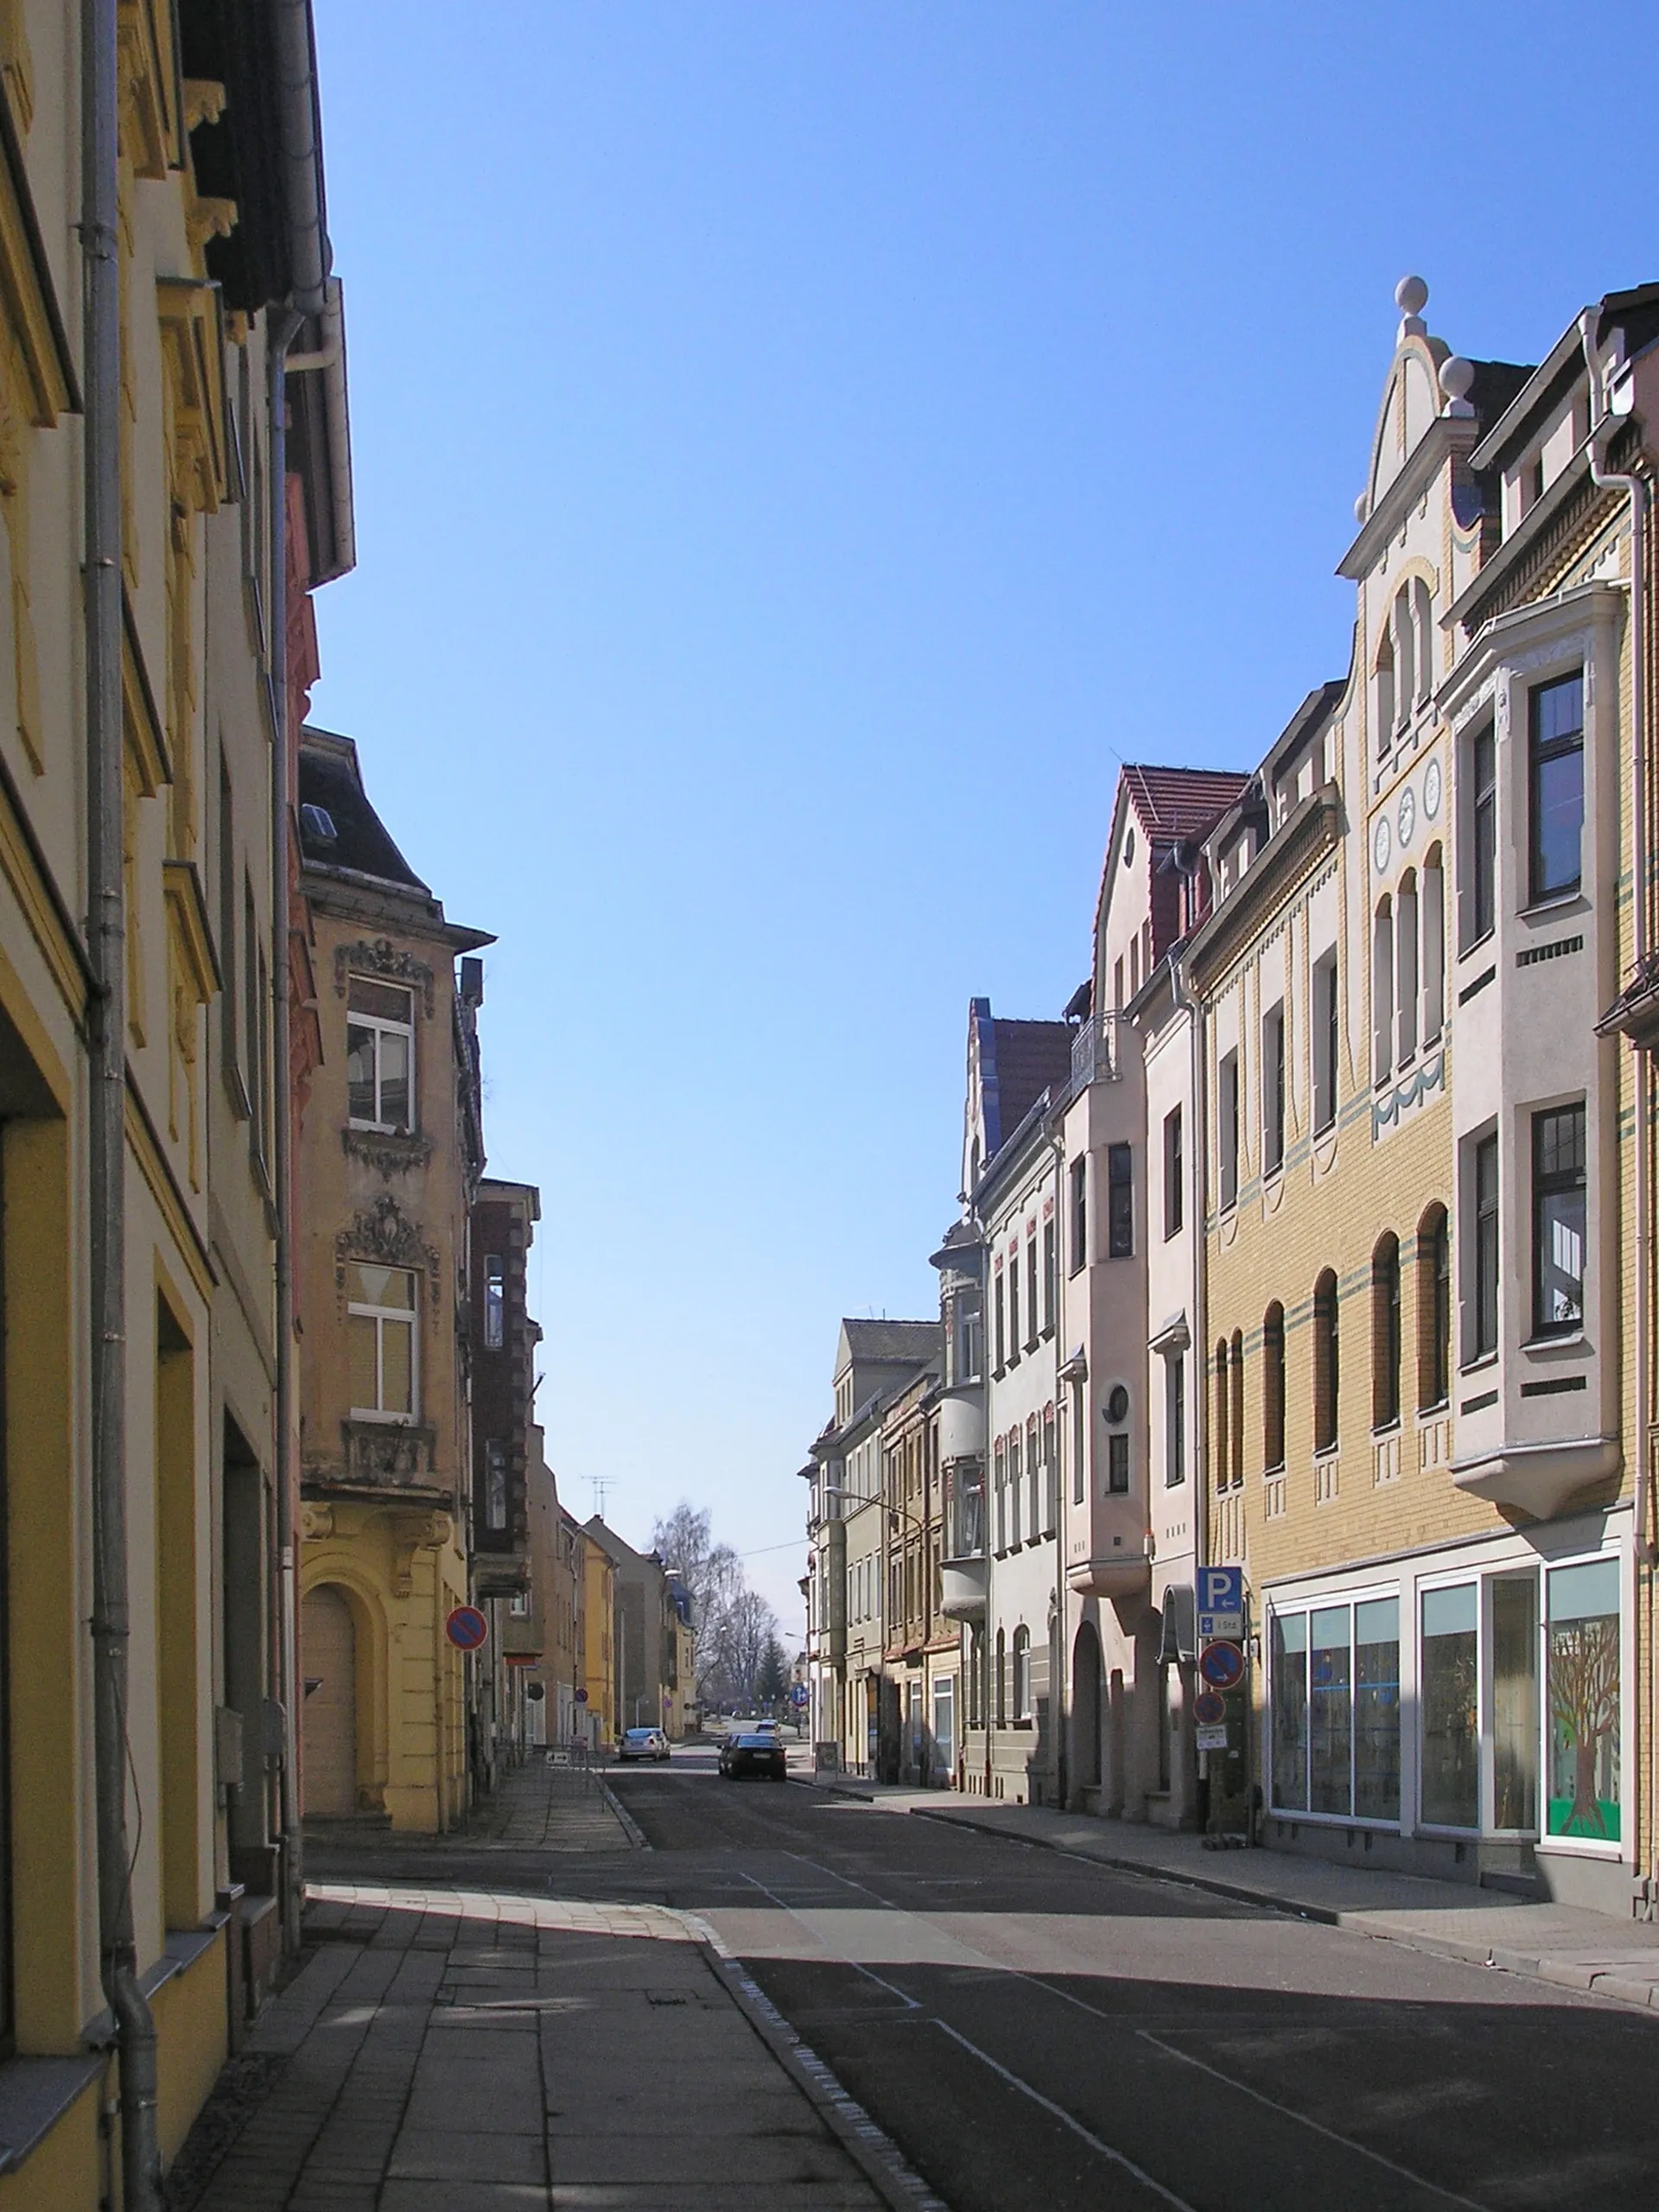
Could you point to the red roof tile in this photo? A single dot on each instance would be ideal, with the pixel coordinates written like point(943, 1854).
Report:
point(1180, 802)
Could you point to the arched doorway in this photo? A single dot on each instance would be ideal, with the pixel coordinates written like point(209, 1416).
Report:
point(1086, 1708)
point(328, 1658)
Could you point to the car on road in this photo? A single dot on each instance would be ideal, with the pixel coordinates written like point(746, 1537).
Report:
point(643, 1743)
point(754, 1754)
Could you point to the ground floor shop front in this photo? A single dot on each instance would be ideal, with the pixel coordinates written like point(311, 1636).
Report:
point(1465, 1710)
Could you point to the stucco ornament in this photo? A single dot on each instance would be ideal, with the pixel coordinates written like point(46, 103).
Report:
point(1406, 818)
point(380, 957)
point(1432, 788)
point(383, 1236)
point(1382, 845)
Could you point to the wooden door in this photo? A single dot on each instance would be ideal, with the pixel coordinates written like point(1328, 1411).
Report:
point(328, 1658)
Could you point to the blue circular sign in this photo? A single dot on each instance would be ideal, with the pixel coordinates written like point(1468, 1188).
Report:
point(467, 1628)
point(1221, 1666)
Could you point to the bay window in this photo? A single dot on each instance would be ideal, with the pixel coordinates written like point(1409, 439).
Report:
point(1555, 788)
point(1558, 1220)
point(380, 1054)
point(380, 1341)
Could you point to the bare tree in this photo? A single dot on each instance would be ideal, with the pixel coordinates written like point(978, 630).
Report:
point(714, 1574)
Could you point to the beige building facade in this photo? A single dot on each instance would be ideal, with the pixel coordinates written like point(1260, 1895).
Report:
point(390, 1156)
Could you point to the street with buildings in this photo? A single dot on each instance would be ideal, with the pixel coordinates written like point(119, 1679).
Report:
point(1229, 1762)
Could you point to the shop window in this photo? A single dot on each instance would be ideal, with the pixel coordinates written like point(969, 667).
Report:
point(1514, 1702)
point(1582, 1686)
point(1335, 1687)
point(1449, 1690)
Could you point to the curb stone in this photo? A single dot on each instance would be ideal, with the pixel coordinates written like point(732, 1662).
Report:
point(1613, 1987)
point(877, 2157)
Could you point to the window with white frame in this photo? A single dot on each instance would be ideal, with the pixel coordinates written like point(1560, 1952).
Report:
point(380, 1054)
point(1227, 1130)
point(519, 1605)
point(1273, 1090)
point(1016, 1531)
point(1334, 1693)
point(1022, 1704)
point(1174, 1420)
point(1325, 1031)
point(494, 1303)
point(1555, 788)
point(1559, 1200)
point(381, 1310)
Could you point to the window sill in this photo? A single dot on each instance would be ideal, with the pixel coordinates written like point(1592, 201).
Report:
point(1564, 1340)
point(1481, 1366)
point(1033, 1344)
point(1047, 1335)
point(1382, 1429)
point(380, 1128)
point(1558, 902)
point(1478, 943)
point(1436, 1411)
point(383, 1419)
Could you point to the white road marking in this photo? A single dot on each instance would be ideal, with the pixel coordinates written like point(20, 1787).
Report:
point(1447, 2195)
point(1104, 2150)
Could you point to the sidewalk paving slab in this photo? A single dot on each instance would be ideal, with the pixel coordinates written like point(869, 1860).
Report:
point(456, 2047)
point(1568, 1945)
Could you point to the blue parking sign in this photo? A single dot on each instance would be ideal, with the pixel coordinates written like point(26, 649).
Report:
point(1221, 1601)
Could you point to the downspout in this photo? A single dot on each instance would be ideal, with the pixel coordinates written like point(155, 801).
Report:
point(135, 2025)
point(1058, 1690)
point(279, 333)
point(1199, 1397)
point(1635, 489)
point(308, 273)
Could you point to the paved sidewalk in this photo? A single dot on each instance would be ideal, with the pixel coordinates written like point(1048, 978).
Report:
point(537, 1807)
point(456, 2051)
point(1563, 1944)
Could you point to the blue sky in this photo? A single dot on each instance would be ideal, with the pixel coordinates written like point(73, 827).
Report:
point(800, 447)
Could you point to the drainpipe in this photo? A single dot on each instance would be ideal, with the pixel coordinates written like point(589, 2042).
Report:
point(1199, 1397)
point(135, 2025)
point(1635, 489)
point(1060, 1645)
point(307, 247)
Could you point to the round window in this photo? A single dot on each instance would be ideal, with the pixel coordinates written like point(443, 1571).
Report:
point(1117, 1403)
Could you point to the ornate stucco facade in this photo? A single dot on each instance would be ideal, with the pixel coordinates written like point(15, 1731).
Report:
point(390, 1155)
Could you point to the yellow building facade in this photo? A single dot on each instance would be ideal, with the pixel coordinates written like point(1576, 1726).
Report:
point(1421, 1435)
point(598, 1641)
point(143, 1476)
point(390, 1157)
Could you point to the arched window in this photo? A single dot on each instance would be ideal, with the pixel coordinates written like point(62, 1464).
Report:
point(1273, 1387)
point(1222, 1458)
point(1423, 624)
point(1235, 1416)
point(1433, 928)
point(1033, 1477)
point(1405, 948)
point(1382, 691)
point(1000, 1495)
point(1022, 1674)
point(1385, 1332)
point(1433, 1308)
point(1326, 1361)
point(976, 1678)
point(1001, 1693)
point(1383, 991)
point(1016, 1525)
point(1405, 658)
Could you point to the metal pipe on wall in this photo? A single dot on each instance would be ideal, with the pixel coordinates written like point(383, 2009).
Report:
point(135, 2025)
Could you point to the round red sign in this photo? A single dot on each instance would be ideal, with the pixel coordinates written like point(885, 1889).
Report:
point(467, 1628)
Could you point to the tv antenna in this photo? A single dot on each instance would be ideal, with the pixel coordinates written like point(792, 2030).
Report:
point(599, 1486)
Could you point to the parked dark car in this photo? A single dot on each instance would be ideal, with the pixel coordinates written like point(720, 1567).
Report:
point(753, 1755)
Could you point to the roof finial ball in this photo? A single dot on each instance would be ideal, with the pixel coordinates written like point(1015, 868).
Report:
point(1411, 297)
point(1457, 381)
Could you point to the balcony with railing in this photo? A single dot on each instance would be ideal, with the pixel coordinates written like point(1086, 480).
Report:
point(1095, 1055)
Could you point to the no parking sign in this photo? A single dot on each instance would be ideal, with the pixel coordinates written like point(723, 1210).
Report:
point(467, 1628)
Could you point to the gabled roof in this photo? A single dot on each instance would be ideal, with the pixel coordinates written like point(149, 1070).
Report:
point(1173, 803)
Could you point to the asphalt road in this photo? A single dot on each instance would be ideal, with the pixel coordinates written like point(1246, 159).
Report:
point(1043, 2035)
